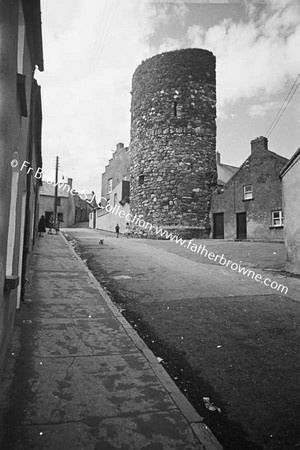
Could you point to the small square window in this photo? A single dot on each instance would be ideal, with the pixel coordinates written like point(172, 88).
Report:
point(141, 179)
point(248, 194)
point(277, 218)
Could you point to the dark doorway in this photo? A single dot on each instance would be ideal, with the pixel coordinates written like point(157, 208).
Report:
point(241, 225)
point(218, 232)
point(48, 214)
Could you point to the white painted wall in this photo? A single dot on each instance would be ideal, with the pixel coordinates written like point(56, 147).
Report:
point(108, 220)
point(91, 219)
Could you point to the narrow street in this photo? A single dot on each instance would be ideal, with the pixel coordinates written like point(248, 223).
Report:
point(220, 334)
point(150, 225)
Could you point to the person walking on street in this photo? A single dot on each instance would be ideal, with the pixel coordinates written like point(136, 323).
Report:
point(117, 230)
point(42, 226)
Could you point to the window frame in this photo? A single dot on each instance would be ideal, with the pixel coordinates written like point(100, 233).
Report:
point(249, 193)
point(280, 218)
point(109, 185)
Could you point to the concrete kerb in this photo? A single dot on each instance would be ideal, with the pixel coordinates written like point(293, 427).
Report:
point(202, 432)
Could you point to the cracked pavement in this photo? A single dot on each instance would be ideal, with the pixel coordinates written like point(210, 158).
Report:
point(77, 376)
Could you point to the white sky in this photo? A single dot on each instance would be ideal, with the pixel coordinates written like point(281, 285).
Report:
point(92, 48)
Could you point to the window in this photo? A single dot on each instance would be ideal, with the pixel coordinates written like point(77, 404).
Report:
point(115, 199)
point(248, 194)
point(277, 218)
point(141, 179)
point(109, 185)
point(58, 201)
point(175, 109)
point(60, 217)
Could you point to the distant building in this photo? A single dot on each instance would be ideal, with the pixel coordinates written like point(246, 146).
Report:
point(20, 140)
point(250, 207)
point(115, 191)
point(82, 207)
point(117, 170)
point(65, 203)
point(119, 201)
point(290, 176)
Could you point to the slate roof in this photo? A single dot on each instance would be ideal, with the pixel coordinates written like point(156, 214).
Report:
point(290, 163)
point(49, 190)
point(225, 172)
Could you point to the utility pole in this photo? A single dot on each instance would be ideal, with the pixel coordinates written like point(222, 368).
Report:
point(55, 194)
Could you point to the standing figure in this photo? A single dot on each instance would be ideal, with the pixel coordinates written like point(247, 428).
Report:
point(56, 226)
point(50, 224)
point(117, 230)
point(127, 230)
point(42, 226)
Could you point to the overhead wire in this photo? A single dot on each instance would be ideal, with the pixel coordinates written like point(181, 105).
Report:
point(105, 34)
point(99, 34)
point(103, 26)
point(103, 23)
point(283, 107)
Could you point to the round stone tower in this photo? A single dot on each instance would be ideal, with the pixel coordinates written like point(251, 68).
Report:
point(173, 141)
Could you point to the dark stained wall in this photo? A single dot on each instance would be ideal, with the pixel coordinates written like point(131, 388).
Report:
point(20, 131)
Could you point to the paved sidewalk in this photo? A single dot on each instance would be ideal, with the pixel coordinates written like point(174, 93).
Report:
point(77, 376)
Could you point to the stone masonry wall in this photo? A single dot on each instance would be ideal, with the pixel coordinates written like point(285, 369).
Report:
point(261, 171)
point(173, 140)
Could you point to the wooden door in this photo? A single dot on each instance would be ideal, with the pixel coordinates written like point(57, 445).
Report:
point(241, 225)
point(218, 223)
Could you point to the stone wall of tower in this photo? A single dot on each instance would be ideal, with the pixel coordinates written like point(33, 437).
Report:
point(173, 140)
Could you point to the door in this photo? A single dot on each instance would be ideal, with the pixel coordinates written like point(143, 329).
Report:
point(218, 222)
point(48, 214)
point(241, 225)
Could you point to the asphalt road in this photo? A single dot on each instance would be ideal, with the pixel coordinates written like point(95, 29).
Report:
point(220, 333)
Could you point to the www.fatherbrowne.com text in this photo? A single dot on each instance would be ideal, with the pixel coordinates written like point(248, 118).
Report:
point(198, 249)
point(158, 231)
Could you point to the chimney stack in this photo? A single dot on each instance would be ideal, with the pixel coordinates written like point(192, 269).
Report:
point(218, 158)
point(259, 144)
point(70, 182)
point(120, 146)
